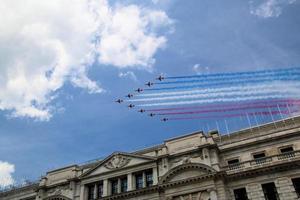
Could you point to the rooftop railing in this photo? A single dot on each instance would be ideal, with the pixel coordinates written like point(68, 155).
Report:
point(262, 162)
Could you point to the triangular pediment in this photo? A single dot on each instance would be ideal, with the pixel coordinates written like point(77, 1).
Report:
point(116, 161)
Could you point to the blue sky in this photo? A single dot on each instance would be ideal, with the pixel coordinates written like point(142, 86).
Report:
point(73, 118)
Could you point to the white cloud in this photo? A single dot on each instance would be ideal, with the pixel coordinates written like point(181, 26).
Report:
point(199, 69)
point(128, 74)
point(44, 44)
point(6, 170)
point(270, 8)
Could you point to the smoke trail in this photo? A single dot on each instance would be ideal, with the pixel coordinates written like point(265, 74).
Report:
point(266, 72)
point(235, 115)
point(231, 105)
point(228, 109)
point(219, 95)
point(233, 82)
point(219, 100)
point(221, 89)
point(272, 77)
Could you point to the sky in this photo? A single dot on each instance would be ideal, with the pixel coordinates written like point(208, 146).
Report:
point(64, 62)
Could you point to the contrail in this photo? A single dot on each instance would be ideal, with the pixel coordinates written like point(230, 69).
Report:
point(295, 69)
point(231, 99)
point(227, 109)
point(231, 105)
point(218, 95)
point(233, 82)
point(241, 78)
point(235, 115)
point(221, 89)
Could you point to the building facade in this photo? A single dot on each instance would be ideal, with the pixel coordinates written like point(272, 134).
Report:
point(258, 163)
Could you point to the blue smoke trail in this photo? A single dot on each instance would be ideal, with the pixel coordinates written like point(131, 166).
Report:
point(236, 73)
point(222, 84)
point(242, 78)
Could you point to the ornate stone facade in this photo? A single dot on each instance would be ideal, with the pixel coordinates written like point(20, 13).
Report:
point(258, 163)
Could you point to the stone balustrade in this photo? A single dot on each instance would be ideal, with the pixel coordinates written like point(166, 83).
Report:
point(262, 162)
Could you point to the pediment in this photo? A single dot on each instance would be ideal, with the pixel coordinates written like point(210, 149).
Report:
point(116, 161)
point(186, 171)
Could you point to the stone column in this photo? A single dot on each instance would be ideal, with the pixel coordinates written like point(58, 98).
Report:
point(155, 176)
point(119, 185)
point(105, 188)
point(83, 193)
point(285, 188)
point(255, 192)
point(95, 191)
point(129, 182)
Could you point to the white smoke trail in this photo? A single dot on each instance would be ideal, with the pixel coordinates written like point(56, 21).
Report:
point(262, 91)
point(223, 89)
point(231, 99)
point(263, 73)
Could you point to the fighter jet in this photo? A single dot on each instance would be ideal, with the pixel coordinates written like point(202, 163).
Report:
point(129, 95)
point(149, 84)
point(139, 90)
point(160, 78)
point(151, 114)
point(130, 106)
point(142, 110)
point(119, 101)
point(164, 119)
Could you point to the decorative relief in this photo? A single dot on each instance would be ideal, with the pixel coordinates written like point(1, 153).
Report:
point(117, 161)
point(57, 190)
point(193, 196)
point(187, 158)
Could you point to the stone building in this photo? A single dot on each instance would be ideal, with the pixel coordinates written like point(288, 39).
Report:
point(257, 163)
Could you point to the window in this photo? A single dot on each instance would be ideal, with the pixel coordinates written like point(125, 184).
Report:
point(100, 189)
point(149, 178)
point(259, 158)
point(114, 186)
point(233, 163)
point(124, 184)
point(91, 192)
point(286, 149)
point(270, 191)
point(296, 183)
point(139, 181)
point(240, 194)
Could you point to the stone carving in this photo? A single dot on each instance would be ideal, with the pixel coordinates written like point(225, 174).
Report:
point(193, 196)
point(187, 158)
point(117, 161)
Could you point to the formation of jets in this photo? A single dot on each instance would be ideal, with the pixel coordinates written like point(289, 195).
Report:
point(139, 90)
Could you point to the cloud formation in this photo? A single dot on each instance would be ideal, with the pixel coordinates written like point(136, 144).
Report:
point(199, 69)
point(128, 74)
point(6, 170)
point(44, 44)
point(270, 8)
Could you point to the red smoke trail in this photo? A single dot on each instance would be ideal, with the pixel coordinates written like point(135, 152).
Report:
point(227, 105)
point(235, 115)
point(228, 109)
